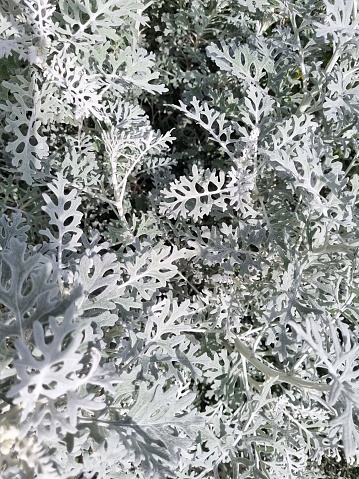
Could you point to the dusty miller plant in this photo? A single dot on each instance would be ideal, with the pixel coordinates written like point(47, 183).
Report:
point(187, 310)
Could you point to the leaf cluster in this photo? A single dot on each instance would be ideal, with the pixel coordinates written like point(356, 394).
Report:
point(179, 267)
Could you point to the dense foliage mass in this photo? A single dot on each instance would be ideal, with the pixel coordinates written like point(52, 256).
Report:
point(179, 268)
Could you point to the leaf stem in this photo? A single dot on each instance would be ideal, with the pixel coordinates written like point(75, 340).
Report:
point(281, 377)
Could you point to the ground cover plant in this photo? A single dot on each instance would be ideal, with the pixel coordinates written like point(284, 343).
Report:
point(179, 239)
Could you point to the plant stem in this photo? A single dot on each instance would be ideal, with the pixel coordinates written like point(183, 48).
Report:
point(273, 373)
